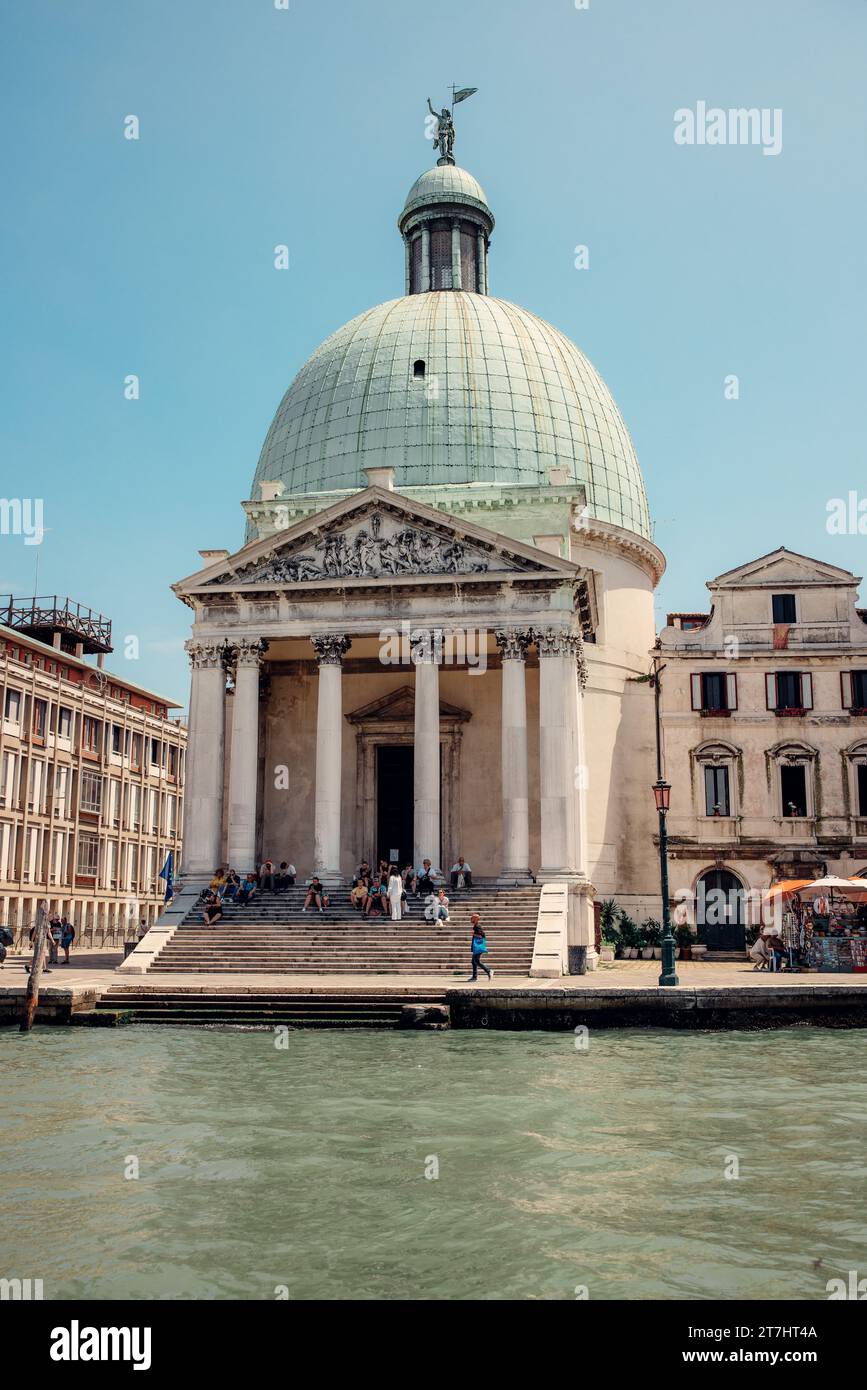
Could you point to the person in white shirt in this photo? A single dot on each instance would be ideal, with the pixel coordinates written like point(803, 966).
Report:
point(394, 891)
point(437, 907)
point(461, 874)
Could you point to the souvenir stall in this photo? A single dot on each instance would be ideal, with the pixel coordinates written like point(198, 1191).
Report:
point(825, 924)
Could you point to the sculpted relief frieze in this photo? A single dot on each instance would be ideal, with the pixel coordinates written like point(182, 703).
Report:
point(375, 546)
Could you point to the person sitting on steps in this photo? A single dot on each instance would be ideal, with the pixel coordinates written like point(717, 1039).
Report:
point(426, 879)
point(316, 896)
point(461, 874)
point(247, 890)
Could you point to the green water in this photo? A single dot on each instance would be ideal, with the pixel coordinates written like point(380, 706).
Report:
point(305, 1167)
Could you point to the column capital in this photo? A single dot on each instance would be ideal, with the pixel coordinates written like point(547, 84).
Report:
point(205, 655)
point(513, 642)
point(562, 641)
point(330, 647)
point(426, 645)
point(248, 651)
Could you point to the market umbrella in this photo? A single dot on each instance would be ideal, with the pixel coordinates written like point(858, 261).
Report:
point(828, 886)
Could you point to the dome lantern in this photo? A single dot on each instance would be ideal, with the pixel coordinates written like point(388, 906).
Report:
point(446, 226)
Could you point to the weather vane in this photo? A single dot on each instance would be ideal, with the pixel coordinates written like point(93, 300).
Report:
point(444, 140)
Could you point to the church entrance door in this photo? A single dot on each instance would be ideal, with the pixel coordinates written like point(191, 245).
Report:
point(394, 802)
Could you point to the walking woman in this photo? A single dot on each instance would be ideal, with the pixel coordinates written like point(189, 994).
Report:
point(478, 948)
point(394, 890)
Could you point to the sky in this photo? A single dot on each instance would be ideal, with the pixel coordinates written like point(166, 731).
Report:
point(305, 126)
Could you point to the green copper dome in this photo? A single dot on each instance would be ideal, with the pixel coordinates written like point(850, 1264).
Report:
point(449, 386)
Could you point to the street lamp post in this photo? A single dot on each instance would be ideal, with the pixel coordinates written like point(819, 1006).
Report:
point(662, 797)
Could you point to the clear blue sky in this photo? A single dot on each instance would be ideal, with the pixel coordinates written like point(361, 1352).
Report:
point(306, 126)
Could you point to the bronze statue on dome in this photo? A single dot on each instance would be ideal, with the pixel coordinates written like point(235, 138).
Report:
point(444, 140)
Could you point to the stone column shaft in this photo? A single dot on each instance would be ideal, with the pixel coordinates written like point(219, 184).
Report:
point(481, 268)
point(456, 255)
point(558, 693)
point(244, 759)
point(330, 648)
point(515, 782)
point(426, 791)
point(203, 790)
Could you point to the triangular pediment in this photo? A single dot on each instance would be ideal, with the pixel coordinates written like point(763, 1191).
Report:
point(400, 705)
point(782, 567)
point(375, 536)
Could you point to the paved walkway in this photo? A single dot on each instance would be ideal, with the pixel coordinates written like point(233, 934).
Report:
point(94, 971)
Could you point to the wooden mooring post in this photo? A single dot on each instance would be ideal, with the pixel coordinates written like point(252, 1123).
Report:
point(31, 999)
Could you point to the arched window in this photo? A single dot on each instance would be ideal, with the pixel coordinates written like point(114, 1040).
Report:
point(418, 368)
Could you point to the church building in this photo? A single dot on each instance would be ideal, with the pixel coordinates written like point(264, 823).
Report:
point(434, 632)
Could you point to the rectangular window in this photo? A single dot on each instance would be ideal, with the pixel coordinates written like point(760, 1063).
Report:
point(789, 690)
point(91, 730)
point(155, 752)
point(862, 789)
point(64, 722)
point(716, 791)
point(12, 707)
point(61, 791)
point(783, 608)
point(88, 855)
point(40, 717)
point(714, 692)
point(116, 738)
point(136, 750)
point(90, 798)
point(793, 785)
point(854, 689)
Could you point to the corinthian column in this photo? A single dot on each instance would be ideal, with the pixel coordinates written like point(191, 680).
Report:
point(330, 648)
point(513, 645)
point(559, 773)
point(426, 656)
point(203, 792)
point(244, 759)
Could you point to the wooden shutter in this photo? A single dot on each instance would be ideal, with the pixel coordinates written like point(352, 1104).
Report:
point(806, 690)
point(695, 683)
point(732, 690)
point(846, 689)
point(771, 690)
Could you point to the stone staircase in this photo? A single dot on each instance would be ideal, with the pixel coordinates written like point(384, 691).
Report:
point(271, 936)
point(262, 1008)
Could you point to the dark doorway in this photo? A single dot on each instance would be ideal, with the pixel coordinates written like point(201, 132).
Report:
point(394, 802)
point(719, 911)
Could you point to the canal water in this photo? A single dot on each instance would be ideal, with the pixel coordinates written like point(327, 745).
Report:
point(309, 1169)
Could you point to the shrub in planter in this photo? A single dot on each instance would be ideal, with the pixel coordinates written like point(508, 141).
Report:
point(608, 920)
point(684, 938)
point(630, 937)
point(651, 933)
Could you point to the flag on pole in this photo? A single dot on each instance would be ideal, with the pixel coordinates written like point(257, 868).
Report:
point(167, 872)
point(462, 94)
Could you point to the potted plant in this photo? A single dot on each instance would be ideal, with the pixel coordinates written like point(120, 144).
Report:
point(608, 918)
point(651, 932)
point(684, 938)
point(630, 937)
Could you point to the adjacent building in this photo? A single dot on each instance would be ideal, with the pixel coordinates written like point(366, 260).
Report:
point(764, 716)
point(91, 775)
